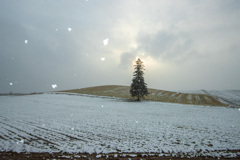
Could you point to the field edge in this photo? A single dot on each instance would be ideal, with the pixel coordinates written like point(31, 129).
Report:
point(100, 156)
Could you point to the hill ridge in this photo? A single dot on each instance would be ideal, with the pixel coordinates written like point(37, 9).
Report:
point(122, 91)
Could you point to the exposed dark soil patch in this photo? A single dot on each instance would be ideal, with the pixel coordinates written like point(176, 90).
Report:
point(114, 156)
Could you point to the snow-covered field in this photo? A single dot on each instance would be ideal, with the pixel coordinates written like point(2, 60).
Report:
point(74, 123)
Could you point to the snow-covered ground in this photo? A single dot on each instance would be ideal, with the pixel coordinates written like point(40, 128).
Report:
point(73, 123)
point(230, 97)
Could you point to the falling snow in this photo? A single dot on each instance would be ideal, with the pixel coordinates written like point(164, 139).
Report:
point(54, 86)
point(105, 42)
point(69, 29)
point(10, 83)
point(103, 58)
point(26, 41)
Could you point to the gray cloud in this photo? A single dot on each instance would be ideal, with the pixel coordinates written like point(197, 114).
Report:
point(180, 38)
point(127, 59)
point(165, 44)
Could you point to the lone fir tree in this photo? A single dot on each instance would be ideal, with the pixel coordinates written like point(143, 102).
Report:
point(138, 86)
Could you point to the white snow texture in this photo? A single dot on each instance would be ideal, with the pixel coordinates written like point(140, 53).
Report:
point(73, 123)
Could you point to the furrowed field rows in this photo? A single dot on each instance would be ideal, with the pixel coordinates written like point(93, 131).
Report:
point(79, 124)
point(31, 133)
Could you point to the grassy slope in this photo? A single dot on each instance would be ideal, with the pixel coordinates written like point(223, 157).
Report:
point(155, 95)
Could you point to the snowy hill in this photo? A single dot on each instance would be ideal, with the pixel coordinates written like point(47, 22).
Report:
point(155, 95)
point(230, 97)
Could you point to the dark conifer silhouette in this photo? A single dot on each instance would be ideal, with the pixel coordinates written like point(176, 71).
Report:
point(138, 87)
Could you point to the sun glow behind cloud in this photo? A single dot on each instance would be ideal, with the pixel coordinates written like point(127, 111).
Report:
point(149, 62)
point(169, 37)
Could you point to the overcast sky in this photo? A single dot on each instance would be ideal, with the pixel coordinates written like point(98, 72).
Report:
point(185, 45)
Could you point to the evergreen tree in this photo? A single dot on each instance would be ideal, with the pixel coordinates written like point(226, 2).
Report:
point(138, 86)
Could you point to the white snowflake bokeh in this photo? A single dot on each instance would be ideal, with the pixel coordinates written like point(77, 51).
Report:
point(54, 86)
point(105, 42)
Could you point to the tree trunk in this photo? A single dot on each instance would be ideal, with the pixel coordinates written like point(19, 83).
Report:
point(138, 98)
